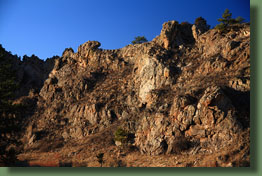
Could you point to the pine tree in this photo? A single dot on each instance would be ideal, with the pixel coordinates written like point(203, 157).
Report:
point(227, 20)
point(200, 21)
point(139, 40)
point(8, 112)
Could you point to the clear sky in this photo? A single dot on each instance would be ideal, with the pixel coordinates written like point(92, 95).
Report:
point(46, 27)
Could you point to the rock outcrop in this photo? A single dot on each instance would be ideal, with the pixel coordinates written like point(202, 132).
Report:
point(200, 28)
point(174, 34)
point(176, 93)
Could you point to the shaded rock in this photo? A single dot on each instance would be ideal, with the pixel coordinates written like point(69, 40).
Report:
point(215, 115)
point(196, 130)
point(174, 34)
point(182, 112)
point(213, 64)
point(150, 136)
point(199, 28)
point(162, 92)
point(240, 84)
point(233, 44)
point(76, 133)
point(65, 135)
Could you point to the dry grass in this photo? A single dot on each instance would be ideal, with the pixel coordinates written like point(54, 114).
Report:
point(83, 154)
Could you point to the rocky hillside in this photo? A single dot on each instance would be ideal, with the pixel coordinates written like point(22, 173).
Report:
point(181, 99)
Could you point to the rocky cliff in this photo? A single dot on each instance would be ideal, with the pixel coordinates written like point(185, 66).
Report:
point(185, 94)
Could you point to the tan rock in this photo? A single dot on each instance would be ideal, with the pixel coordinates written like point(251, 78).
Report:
point(186, 81)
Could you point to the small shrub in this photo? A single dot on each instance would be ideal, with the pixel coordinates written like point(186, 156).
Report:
point(100, 159)
point(185, 23)
point(121, 135)
point(199, 20)
point(239, 20)
point(139, 40)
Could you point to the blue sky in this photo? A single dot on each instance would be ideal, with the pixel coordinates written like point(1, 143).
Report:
point(46, 27)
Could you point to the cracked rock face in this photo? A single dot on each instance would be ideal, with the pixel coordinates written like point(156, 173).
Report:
point(174, 34)
point(212, 118)
point(152, 75)
point(188, 86)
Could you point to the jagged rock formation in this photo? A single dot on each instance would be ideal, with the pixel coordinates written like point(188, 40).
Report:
point(199, 28)
point(189, 84)
point(174, 34)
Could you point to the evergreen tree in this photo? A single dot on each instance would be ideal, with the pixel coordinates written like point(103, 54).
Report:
point(200, 21)
point(227, 20)
point(139, 40)
point(8, 113)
